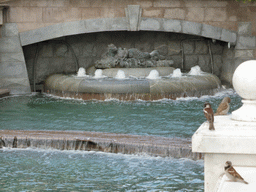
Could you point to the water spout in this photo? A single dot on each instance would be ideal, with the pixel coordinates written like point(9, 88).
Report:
point(81, 72)
point(98, 74)
point(176, 73)
point(154, 74)
point(120, 74)
point(196, 70)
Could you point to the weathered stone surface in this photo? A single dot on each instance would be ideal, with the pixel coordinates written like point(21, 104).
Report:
point(211, 31)
point(190, 61)
point(150, 24)
point(172, 25)
point(188, 47)
point(244, 54)
point(245, 28)
point(175, 13)
point(246, 42)
point(191, 28)
point(201, 47)
point(13, 72)
point(228, 36)
point(133, 15)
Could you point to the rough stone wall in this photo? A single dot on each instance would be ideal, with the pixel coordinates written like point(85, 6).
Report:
point(56, 57)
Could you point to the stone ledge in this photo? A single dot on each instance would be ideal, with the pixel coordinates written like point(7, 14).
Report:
point(97, 141)
point(121, 24)
point(229, 137)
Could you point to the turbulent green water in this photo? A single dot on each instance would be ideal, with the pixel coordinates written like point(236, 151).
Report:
point(30, 170)
point(167, 118)
point(42, 170)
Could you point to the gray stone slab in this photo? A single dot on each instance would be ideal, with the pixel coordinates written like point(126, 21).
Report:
point(172, 25)
point(246, 42)
point(13, 69)
point(117, 24)
point(41, 34)
point(191, 28)
point(10, 45)
point(211, 31)
point(133, 15)
point(244, 28)
point(11, 57)
point(244, 54)
point(9, 30)
point(16, 85)
point(150, 24)
point(96, 25)
point(228, 36)
point(73, 28)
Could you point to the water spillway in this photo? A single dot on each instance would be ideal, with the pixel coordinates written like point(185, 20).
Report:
point(96, 141)
point(131, 88)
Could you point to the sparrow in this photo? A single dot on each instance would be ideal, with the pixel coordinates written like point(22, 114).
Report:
point(223, 107)
point(208, 113)
point(232, 174)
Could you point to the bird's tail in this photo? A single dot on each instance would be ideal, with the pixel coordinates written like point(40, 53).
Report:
point(211, 127)
point(245, 182)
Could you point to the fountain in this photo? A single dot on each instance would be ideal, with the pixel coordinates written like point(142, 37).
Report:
point(130, 75)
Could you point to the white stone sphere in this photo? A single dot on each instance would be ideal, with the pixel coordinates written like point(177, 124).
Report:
point(244, 80)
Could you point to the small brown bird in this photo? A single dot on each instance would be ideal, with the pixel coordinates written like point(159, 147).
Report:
point(208, 113)
point(223, 107)
point(232, 174)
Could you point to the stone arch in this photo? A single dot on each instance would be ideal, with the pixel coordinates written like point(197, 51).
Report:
point(125, 24)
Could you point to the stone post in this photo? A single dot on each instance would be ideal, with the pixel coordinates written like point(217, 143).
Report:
point(13, 71)
point(234, 138)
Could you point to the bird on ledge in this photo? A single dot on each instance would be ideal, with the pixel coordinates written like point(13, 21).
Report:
point(208, 113)
point(223, 107)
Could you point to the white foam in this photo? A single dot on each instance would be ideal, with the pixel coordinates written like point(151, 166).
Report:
point(176, 73)
point(154, 74)
point(196, 70)
point(81, 72)
point(98, 74)
point(120, 74)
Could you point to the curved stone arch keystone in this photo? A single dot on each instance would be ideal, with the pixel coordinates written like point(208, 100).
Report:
point(121, 24)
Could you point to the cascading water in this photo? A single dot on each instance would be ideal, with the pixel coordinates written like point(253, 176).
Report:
point(77, 170)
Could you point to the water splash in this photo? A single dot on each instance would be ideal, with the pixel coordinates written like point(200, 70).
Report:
point(196, 70)
point(120, 74)
point(99, 74)
point(154, 74)
point(176, 73)
point(81, 72)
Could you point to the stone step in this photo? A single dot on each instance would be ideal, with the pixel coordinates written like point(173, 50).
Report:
point(97, 141)
point(4, 92)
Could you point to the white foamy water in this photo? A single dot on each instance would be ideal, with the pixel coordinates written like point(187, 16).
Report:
point(120, 74)
point(154, 74)
point(176, 73)
point(196, 70)
point(98, 74)
point(81, 72)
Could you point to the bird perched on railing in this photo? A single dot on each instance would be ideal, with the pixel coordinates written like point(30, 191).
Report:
point(232, 174)
point(208, 113)
point(223, 107)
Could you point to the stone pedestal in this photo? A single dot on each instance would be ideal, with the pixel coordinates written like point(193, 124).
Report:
point(234, 138)
point(233, 141)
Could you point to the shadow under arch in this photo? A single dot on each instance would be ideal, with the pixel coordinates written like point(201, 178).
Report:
point(121, 24)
